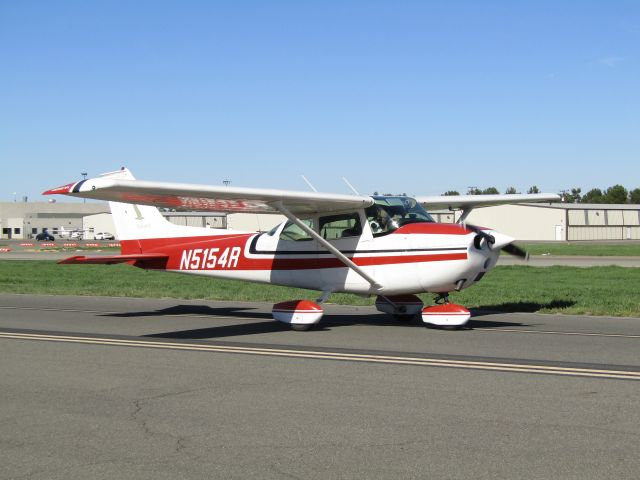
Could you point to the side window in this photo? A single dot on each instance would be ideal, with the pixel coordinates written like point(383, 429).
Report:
point(340, 226)
point(293, 232)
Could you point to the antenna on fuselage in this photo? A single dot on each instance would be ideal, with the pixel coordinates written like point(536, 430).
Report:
point(350, 186)
point(309, 183)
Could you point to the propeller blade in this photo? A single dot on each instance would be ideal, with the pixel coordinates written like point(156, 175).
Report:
point(513, 249)
point(488, 238)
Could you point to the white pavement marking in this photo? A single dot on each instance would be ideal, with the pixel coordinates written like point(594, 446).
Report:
point(352, 357)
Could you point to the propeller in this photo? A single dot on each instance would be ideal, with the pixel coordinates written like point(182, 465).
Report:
point(480, 235)
point(509, 248)
point(513, 249)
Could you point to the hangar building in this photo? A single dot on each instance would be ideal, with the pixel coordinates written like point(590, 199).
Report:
point(557, 221)
point(537, 222)
point(23, 220)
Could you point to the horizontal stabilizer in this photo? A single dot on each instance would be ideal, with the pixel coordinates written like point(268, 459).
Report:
point(113, 259)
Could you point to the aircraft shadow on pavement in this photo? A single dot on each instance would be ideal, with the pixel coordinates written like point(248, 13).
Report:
point(328, 323)
point(268, 325)
point(520, 307)
point(240, 312)
point(238, 330)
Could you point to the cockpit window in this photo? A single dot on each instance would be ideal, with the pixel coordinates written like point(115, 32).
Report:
point(291, 231)
point(340, 226)
point(390, 213)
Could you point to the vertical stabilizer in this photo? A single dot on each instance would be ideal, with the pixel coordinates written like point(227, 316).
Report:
point(134, 222)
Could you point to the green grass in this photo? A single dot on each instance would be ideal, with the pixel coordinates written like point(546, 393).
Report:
point(591, 291)
point(583, 249)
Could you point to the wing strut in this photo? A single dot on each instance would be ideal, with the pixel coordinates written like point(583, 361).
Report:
point(465, 213)
point(337, 253)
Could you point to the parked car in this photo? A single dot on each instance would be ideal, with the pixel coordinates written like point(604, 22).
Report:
point(45, 236)
point(104, 236)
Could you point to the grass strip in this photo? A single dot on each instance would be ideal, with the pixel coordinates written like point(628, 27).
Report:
point(583, 249)
point(590, 291)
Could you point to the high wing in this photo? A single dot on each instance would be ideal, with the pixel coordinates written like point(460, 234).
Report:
point(181, 196)
point(462, 202)
point(120, 186)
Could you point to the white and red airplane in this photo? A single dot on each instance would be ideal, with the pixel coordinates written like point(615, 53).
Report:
point(388, 246)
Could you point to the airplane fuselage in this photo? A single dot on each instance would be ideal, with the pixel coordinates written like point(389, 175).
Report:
point(420, 257)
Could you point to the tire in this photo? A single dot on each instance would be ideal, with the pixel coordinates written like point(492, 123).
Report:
point(301, 327)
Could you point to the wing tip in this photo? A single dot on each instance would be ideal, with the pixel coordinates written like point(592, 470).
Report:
point(62, 190)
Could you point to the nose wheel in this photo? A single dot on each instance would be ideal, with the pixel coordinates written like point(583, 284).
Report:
point(445, 314)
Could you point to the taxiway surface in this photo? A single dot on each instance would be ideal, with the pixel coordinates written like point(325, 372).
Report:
point(144, 388)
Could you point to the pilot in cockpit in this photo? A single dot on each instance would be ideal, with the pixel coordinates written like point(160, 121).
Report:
point(381, 221)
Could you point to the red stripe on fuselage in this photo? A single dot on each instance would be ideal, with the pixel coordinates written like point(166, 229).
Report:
point(200, 252)
point(332, 262)
point(432, 229)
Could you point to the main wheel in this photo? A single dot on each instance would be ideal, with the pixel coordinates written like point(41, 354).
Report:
point(301, 327)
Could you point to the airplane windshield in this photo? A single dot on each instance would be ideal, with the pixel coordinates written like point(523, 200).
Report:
point(390, 213)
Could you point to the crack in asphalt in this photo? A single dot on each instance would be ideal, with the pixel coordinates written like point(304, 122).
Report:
point(136, 416)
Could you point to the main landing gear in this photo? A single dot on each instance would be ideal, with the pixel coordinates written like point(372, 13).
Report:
point(302, 315)
point(443, 314)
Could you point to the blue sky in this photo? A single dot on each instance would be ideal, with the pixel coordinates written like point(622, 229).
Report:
point(399, 96)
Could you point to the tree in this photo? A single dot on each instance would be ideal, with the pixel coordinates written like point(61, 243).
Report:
point(634, 196)
point(511, 191)
point(450, 193)
point(490, 191)
point(474, 191)
point(593, 196)
point(616, 194)
point(534, 189)
point(572, 197)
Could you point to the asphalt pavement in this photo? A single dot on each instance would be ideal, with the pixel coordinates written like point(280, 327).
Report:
point(142, 388)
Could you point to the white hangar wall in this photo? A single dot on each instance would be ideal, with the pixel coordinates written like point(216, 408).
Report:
point(523, 222)
point(557, 221)
point(250, 222)
point(100, 222)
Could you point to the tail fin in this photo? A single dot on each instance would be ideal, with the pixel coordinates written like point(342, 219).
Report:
point(134, 222)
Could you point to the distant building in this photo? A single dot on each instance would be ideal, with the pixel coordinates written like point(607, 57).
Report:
point(24, 220)
point(544, 222)
point(557, 221)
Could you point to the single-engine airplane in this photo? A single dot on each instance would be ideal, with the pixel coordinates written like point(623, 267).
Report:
point(388, 246)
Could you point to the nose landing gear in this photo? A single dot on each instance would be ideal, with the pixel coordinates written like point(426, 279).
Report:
point(445, 314)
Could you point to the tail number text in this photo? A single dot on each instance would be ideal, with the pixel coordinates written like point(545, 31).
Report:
point(209, 258)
